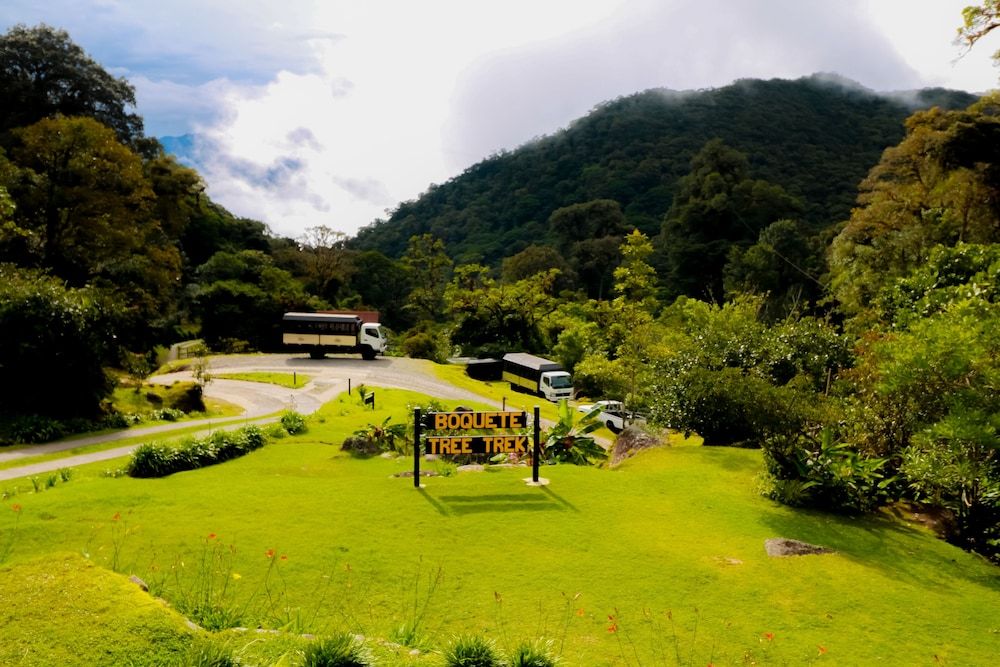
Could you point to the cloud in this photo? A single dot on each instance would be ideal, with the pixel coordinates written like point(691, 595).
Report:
point(509, 97)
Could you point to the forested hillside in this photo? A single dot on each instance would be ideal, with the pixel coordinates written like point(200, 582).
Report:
point(815, 137)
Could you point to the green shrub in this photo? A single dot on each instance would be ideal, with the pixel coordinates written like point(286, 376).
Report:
point(422, 346)
point(159, 460)
point(534, 654)
point(822, 472)
point(343, 650)
point(34, 428)
point(472, 651)
point(293, 423)
point(730, 406)
point(185, 396)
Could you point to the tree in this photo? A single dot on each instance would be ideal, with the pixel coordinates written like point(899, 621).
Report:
point(497, 318)
point(784, 264)
point(54, 343)
point(428, 266)
point(85, 211)
point(242, 297)
point(537, 259)
point(590, 235)
point(43, 73)
point(979, 21)
point(717, 206)
point(327, 261)
point(940, 185)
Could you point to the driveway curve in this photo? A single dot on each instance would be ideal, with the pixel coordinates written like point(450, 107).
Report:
point(260, 401)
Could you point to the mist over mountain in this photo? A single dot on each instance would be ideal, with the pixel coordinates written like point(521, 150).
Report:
point(816, 137)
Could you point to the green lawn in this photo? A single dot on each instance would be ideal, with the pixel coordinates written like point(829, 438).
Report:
point(289, 380)
point(667, 550)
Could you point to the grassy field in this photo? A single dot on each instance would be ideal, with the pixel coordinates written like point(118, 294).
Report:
point(659, 561)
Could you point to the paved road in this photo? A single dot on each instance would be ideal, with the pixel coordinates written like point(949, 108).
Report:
point(329, 377)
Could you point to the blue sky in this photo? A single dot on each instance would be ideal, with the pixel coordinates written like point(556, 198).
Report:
point(331, 113)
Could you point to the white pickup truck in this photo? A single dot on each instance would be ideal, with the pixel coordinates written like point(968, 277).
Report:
point(612, 414)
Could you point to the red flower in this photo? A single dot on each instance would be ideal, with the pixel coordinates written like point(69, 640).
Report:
point(211, 536)
point(16, 507)
point(822, 649)
point(769, 636)
point(269, 553)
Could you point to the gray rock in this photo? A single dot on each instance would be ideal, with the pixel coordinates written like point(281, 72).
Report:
point(139, 582)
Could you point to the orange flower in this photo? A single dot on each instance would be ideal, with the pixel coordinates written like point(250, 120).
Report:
point(579, 612)
point(211, 536)
point(769, 636)
point(284, 557)
point(822, 649)
point(117, 516)
point(16, 507)
point(269, 553)
point(613, 628)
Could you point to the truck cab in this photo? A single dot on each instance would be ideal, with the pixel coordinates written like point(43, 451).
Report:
point(556, 385)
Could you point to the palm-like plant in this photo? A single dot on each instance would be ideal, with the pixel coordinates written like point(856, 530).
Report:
point(567, 441)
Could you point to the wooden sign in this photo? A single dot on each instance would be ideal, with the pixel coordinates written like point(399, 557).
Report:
point(456, 445)
point(477, 444)
point(475, 421)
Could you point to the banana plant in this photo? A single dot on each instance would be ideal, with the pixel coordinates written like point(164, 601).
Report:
point(568, 440)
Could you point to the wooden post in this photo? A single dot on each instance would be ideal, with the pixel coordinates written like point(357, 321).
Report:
point(416, 448)
point(538, 448)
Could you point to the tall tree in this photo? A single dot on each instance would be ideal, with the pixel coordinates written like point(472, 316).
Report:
point(940, 185)
point(717, 206)
point(43, 73)
point(327, 261)
point(428, 266)
point(85, 212)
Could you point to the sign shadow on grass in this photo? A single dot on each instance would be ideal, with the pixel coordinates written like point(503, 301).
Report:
point(500, 502)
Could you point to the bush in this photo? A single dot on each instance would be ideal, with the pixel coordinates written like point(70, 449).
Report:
point(824, 473)
point(159, 459)
point(729, 406)
point(422, 346)
point(534, 654)
point(472, 651)
point(293, 423)
point(344, 650)
point(185, 396)
point(34, 428)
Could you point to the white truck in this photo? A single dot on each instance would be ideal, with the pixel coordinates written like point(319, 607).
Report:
point(526, 372)
point(612, 414)
point(320, 333)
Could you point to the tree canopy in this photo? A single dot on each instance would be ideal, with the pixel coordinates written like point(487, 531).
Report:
point(44, 73)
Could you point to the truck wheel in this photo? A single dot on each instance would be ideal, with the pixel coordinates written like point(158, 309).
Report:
point(316, 354)
point(614, 429)
point(367, 353)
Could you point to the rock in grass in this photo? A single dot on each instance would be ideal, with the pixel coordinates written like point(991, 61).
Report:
point(777, 547)
point(139, 582)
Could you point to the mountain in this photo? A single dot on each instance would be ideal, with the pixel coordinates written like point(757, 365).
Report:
point(816, 137)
